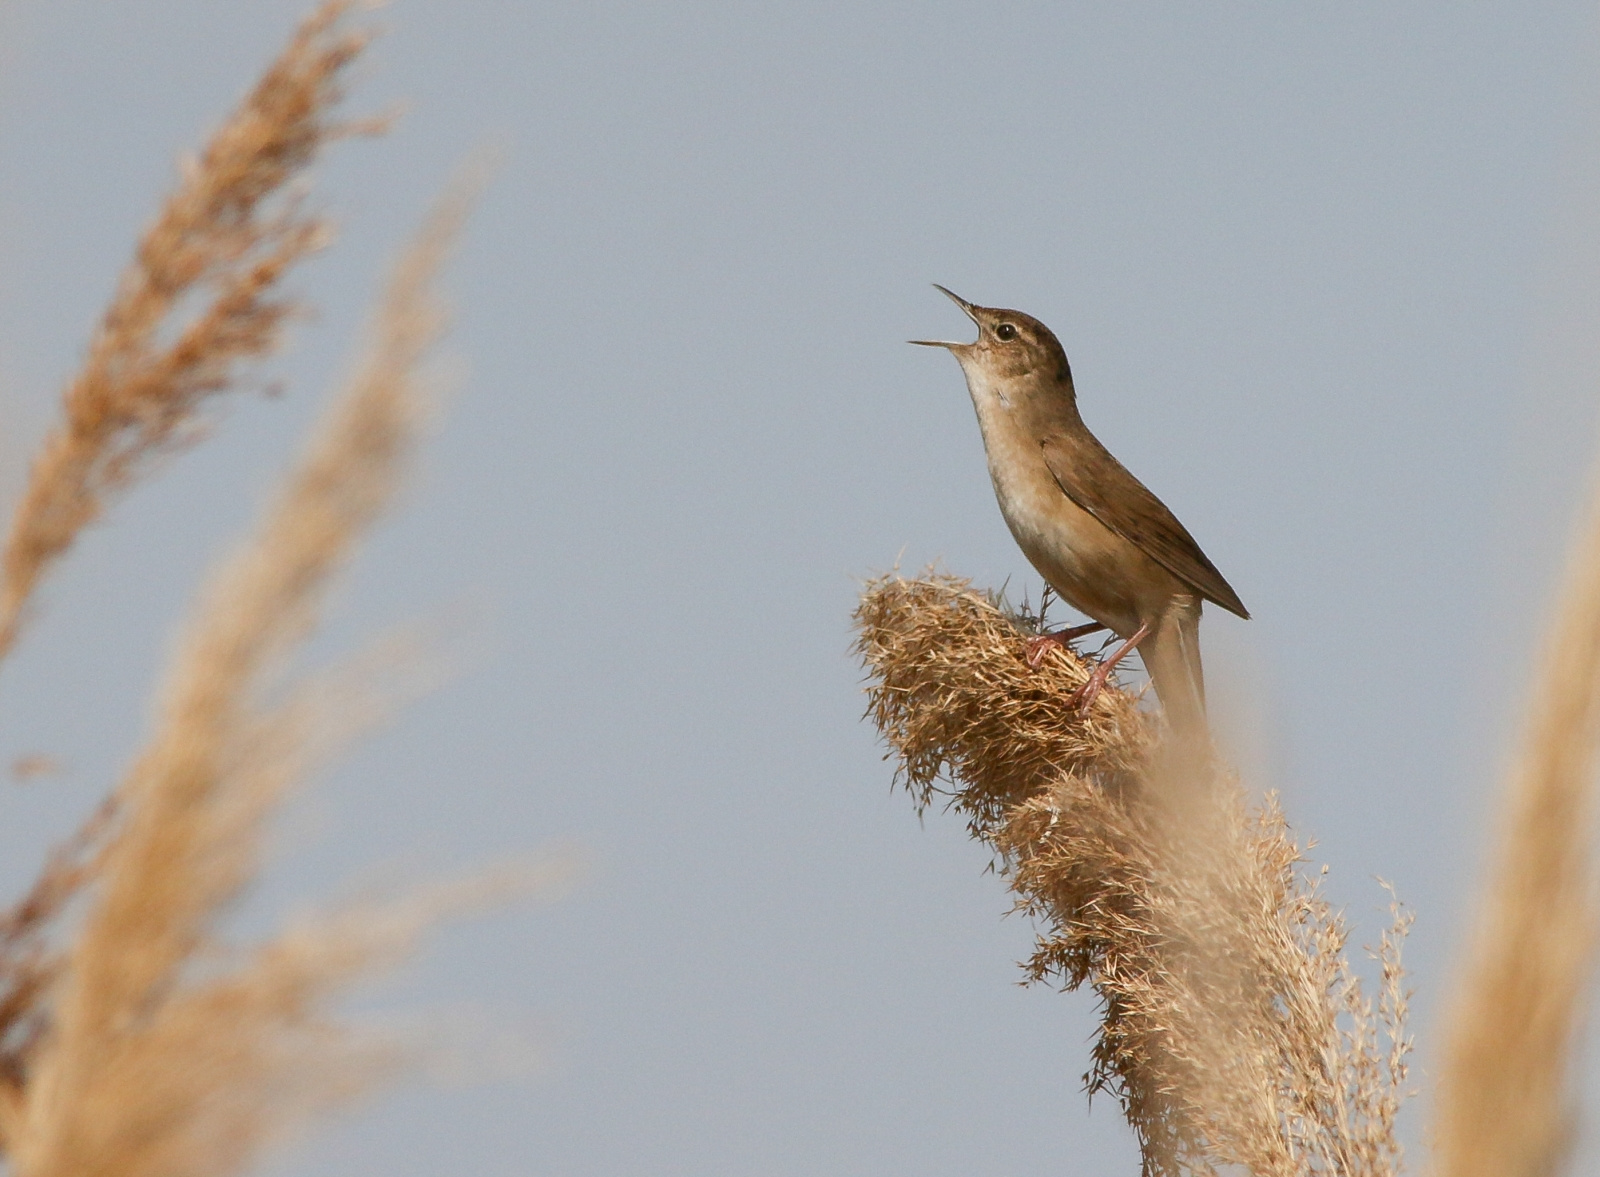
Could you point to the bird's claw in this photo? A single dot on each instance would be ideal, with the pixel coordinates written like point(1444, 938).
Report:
point(1037, 646)
point(1040, 644)
point(1082, 699)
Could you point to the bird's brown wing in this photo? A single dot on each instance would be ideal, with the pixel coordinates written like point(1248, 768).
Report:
point(1090, 476)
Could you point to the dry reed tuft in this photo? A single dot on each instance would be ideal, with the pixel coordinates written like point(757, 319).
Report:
point(1505, 1102)
point(201, 296)
point(222, 243)
point(165, 1052)
point(29, 961)
point(1234, 1031)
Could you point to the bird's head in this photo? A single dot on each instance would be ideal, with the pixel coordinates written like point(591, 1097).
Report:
point(1010, 346)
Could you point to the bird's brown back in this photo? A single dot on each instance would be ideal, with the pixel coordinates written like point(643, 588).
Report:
point(1091, 476)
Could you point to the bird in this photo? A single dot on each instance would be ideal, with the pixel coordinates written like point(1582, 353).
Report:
point(1102, 541)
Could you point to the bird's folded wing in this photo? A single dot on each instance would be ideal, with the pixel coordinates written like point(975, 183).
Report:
point(1090, 476)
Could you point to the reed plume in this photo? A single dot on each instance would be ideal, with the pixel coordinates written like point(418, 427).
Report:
point(202, 296)
point(1234, 1031)
point(1506, 1104)
point(165, 1053)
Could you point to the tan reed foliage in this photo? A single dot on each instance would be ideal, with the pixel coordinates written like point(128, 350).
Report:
point(1506, 1104)
point(166, 1053)
point(29, 961)
point(202, 296)
point(1234, 1031)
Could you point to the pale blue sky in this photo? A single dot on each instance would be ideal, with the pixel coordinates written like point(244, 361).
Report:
point(1328, 275)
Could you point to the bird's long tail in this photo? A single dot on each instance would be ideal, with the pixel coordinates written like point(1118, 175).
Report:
point(1172, 656)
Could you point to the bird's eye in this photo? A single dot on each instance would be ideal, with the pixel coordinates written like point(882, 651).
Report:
point(1005, 333)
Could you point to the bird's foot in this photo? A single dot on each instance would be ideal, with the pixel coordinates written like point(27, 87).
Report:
point(1083, 698)
point(1040, 644)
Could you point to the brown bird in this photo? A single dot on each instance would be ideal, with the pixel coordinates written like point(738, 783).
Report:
point(1103, 542)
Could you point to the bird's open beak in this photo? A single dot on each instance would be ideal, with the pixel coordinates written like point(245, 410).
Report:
point(960, 302)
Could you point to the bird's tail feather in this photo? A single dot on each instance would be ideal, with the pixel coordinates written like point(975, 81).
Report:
point(1172, 656)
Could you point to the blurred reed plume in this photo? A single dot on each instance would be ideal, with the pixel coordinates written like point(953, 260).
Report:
point(202, 296)
point(1234, 1031)
point(146, 1067)
point(135, 1038)
point(1506, 1103)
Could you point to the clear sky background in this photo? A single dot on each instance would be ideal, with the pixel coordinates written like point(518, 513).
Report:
point(1329, 278)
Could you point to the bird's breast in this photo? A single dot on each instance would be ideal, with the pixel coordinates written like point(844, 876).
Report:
point(1095, 570)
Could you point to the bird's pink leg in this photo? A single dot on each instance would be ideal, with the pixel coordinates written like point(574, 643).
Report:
point(1085, 695)
point(1039, 644)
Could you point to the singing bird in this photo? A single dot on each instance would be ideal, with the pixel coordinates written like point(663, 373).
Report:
point(1100, 539)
